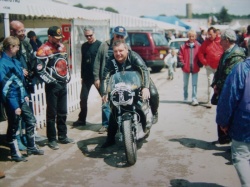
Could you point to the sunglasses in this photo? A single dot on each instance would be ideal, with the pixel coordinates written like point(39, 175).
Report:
point(119, 36)
point(89, 36)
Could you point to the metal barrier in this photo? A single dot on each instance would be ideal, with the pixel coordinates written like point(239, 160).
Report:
point(39, 99)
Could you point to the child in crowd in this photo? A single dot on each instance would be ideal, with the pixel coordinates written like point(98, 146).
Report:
point(171, 60)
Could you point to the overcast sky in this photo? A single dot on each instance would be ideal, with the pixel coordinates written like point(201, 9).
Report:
point(168, 7)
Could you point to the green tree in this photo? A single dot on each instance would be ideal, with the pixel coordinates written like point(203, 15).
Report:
point(223, 16)
point(110, 9)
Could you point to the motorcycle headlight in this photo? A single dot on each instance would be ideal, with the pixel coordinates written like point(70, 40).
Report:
point(121, 96)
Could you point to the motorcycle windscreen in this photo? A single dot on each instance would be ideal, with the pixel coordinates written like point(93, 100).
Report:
point(130, 79)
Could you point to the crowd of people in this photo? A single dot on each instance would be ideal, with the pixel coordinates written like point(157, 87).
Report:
point(225, 56)
point(222, 54)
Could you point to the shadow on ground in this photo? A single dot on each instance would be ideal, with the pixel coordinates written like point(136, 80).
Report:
point(113, 155)
point(194, 143)
point(186, 183)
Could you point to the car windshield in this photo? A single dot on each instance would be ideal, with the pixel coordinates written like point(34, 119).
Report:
point(176, 44)
point(159, 39)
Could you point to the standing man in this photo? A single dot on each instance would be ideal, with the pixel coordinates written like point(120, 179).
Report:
point(233, 117)
point(209, 55)
point(54, 71)
point(88, 50)
point(104, 52)
point(231, 56)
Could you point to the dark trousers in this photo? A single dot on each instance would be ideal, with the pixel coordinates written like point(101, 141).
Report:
point(86, 86)
point(14, 120)
point(56, 96)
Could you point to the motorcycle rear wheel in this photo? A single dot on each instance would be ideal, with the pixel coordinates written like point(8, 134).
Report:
point(129, 142)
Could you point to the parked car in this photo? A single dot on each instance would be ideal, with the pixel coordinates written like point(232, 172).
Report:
point(151, 46)
point(176, 43)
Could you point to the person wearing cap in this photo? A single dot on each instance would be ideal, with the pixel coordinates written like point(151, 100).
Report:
point(104, 52)
point(34, 41)
point(231, 56)
point(55, 74)
point(209, 55)
point(88, 51)
point(233, 117)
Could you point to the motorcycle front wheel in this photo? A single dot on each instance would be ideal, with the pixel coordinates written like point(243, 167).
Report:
point(129, 142)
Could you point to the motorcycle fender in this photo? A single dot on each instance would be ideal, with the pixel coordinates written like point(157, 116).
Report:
point(126, 116)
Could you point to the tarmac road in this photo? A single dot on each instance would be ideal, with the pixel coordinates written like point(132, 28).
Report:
point(178, 152)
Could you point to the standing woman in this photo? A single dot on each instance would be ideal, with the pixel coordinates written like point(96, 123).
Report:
point(15, 99)
point(188, 56)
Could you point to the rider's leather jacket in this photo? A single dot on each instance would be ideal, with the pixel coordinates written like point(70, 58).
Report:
point(52, 63)
point(133, 63)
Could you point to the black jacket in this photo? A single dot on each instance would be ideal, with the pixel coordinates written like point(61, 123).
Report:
point(133, 63)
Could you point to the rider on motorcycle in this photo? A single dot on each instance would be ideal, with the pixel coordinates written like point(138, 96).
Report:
point(124, 59)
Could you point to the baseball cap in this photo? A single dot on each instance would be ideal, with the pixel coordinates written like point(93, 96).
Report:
point(56, 32)
point(230, 34)
point(119, 30)
point(31, 34)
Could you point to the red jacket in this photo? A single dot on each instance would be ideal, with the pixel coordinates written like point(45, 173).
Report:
point(189, 57)
point(211, 52)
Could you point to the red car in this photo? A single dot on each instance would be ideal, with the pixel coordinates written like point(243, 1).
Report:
point(151, 46)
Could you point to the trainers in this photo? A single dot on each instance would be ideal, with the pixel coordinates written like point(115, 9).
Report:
point(155, 118)
point(66, 140)
point(79, 123)
point(35, 152)
point(194, 103)
point(53, 145)
point(17, 158)
point(108, 143)
point(208, 105)
point(103, 130)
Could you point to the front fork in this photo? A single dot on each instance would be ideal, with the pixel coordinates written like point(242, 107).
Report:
point(120, 120)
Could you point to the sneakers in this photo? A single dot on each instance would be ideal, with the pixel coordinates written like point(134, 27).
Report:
point(17, 158)
point(66, 140)
point(35, 152)
point(108, 143)
point(208, 105)
point(103, 130)
point(79, 123)
point(194, 103)
point(53, 145)
point(155, 118)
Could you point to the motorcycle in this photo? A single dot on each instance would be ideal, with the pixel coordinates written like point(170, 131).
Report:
point(132, 113)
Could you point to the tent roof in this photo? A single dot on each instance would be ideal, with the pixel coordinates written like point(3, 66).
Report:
point(48, 9)
point(170, 19)
point(131, 22)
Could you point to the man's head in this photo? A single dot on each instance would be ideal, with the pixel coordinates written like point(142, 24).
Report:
point(191, 36)
point(89, 33)
point(228, 38)
point(211, 33)
point(120, 50)
point(55, 35)
point(119, 33)
point(17, 29)
point(31, 35)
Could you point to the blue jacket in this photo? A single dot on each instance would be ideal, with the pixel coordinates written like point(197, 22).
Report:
point(12, 82)
point(233, 108)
